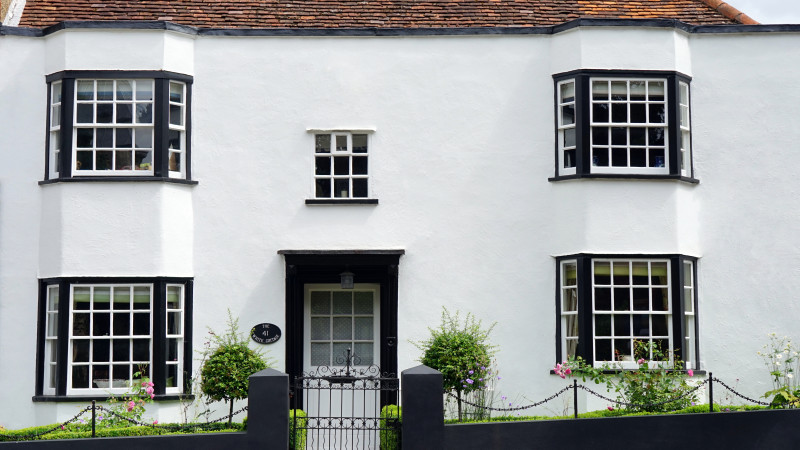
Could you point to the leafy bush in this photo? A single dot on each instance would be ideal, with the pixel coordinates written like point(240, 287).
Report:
point(298, 433)
point(648, 388)
point(225, 374)
point(457, 350)
point(391, 417)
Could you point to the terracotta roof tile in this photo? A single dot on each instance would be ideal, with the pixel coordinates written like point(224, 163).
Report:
point(376, 13)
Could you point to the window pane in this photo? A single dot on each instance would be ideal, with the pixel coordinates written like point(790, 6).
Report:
point(341, 165)
point(323, 188)
point(342, 302)
point(320, 328)
point(363, 302)
point(175, 115)
point(144, 113)
point(567, 92)
point(600, 90)
point(359, 187)
point(323, 165)
point(342, 328)
point(122, 324)
point(85, 113)
point(320, 354)
point(144, 90)
point(364, 351)
point(320, 302)
point(80, 377)
point(105, 90)
point(359, 165)
point(341, 143)
point(125, 113)
point(85, 90)
point(174, 297)
point(322, 143)
point(124, 90)
point(341, 188)
point(359, 143)
point(602, 325)
point(622, 325)
point(363, 328)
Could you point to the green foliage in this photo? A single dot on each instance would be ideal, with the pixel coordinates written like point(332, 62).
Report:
point(647, 388)
point(298, 431)
point(391, 415)
point(131, 405)
point(84, 431)
point(455, 349)
point(783, 361)
point(225, 374)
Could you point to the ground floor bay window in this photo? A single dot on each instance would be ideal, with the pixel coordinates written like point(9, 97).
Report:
point(99, 335)
point(608, 304)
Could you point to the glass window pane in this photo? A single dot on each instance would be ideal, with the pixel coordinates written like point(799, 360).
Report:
point(144, 90)
point(342, 302)
point(320, 328)
point(602, 325)
point(122, 160)
point(567, 92)
point(80, 350)
point(323, 188)
point(363, 302)
point(322, 143)
point(320, 302)
point(341, 165)
point(125, 113)
point(121, 349)
point(342, 328)
point(341, 143)
point(655, 90)
point(85, 90)
point(174, 297)
point(363, 328)
point(122, 324)
point(567, 115)
point(124, 90)
point(320, 354)
point(101, 351)
point(141, 324)
point(359, 143)
point(176, 92)
point(144, 113)
point(340, 352)
point(172, 349)
point(175, 115)
point(622, 325)
point(174, 323)
point(359, 165)
point(80, 377)
point(619, 90)
point(141, 297)
point(341, 188)
point(141, 350)
point(85, 113)
point(365, 353)
point(600, 90)
point(105, 90)
point(360, 188)
point(105, 113)
point(638, 90)
point(122, 297)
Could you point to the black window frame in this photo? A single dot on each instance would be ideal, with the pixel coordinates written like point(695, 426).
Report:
point(582, 78)
point(158, 333)
point(585, 318)
point(160, 124)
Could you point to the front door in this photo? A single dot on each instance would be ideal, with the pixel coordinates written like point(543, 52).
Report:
point(341, 323)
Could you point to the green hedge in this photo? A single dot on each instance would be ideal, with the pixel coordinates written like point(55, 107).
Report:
point(297, 436)
point(82, 431)
point(389, 436)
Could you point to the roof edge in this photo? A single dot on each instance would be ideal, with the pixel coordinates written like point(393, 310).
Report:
point(730, 12)
point(389, 32)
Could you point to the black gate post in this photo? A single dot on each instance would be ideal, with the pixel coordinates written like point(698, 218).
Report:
point(423, 409)
point(268, 410)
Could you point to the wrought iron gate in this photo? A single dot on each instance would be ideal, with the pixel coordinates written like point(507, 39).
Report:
point(342, 409)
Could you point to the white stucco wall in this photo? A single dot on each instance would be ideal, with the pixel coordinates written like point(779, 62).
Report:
point(460, 154)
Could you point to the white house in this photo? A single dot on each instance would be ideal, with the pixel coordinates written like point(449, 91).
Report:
point(585, 174)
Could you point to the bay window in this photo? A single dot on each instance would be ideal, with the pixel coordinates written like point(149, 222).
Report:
point(623, 124)
point(606, 304)
point(118, 125)
point(99, 336)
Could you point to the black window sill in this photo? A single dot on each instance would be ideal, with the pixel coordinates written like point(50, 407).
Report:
point(615, 176)
point(102, 398)
point(341, 201)
point(614, 372)
point(118, 179)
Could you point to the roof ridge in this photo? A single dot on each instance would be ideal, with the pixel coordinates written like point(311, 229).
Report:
point(730, 12)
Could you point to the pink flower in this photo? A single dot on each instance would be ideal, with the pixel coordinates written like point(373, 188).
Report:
point(568, 371)
point(610, 408)
point(149, 389)
point(155, 422)
point(150, 383)
point(690, 372)
point(131, 405)
point(640, 361)
point(152, 396)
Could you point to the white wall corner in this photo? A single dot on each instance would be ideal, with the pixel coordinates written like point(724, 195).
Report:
point(14, 13)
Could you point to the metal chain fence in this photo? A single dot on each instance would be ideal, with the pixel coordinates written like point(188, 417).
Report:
point(165, 428)
point(576, 386)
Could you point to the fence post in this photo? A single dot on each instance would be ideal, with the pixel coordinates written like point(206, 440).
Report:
point(575, 396)
point(93, 416)
point(268, 409)
point(423, 409)
point(710, 392)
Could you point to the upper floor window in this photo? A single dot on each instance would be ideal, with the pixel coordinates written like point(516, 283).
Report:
point(608, 304)
point(341, 167)
point(623, 124)
point(118, 124)
point(99, 336)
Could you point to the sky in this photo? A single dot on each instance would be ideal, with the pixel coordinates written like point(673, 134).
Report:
point(769, 11)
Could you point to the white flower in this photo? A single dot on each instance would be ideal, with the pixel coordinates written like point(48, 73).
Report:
point(779, 356)
point(788, 375)
point(777, 363)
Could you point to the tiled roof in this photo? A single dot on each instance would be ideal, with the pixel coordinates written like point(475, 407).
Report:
point(376, 13)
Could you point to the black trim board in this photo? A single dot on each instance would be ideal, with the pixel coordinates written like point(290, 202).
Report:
point(341, 201)
point(324, 266)
point(389, 32)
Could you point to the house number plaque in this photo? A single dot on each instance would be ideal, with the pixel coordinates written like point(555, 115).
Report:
point(265, 333)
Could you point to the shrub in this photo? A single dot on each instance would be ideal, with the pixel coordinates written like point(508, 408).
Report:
point(648, 388)
point(391, 417)
point(225, 374)
point(297, 428)
point(457, 350)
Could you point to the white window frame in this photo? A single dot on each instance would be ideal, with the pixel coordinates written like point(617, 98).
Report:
point(567, 131)
point(50, 378)
point(351, 154)
point(176, 157)
point(308, 341)
point(177, 336)
point(138, 129)
point(685, 132)
point(578, 309)
point(133, 366)
point(55, 128)
point(651, 161)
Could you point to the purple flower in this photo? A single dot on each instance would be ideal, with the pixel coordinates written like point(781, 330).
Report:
point(471, 372)
point(469, 381)
point(483, 368)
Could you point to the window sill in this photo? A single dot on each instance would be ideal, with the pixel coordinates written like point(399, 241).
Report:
point(341, 201)
point(102, 398)
point(615, 176)
point(118, 179)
